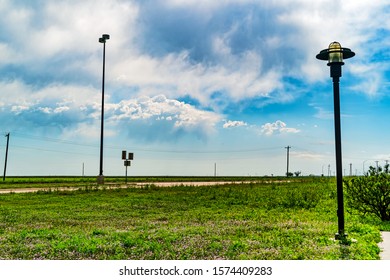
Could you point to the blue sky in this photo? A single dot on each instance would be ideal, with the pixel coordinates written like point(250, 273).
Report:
point(190, 84)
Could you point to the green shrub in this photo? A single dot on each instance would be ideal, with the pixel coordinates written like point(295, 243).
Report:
point(370, 194)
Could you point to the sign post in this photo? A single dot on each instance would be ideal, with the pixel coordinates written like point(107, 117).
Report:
point(127, 161)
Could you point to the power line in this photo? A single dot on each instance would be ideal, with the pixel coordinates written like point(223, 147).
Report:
point(55, 140)
point(49, 150)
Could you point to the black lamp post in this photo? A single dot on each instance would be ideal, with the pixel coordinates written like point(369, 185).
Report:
point(335, 55)
point(100, 178)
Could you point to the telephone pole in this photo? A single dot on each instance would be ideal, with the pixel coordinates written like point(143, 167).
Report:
point(6, 156)
point(288, 157)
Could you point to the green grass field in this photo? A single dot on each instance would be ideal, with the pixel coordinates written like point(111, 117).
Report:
point(273, 221)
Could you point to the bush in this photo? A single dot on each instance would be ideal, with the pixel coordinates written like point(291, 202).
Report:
point(370, 194)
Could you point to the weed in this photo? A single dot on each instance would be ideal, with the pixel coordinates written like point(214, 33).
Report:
point(257, 221)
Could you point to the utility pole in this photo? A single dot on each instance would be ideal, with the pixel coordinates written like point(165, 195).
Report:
point(288, 157)
point(350, 169)
point(6, 156)
point(215, 169)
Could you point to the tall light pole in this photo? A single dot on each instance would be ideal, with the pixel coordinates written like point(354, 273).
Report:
point(288, 160)
point(100, 178)
point(335, 55)
point(6, 156)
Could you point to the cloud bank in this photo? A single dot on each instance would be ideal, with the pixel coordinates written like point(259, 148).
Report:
point(218, 53)
point(160, 118)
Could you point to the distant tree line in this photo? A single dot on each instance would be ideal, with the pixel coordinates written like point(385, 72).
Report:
point(296, 173)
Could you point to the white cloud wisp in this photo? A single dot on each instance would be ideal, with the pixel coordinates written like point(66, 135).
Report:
point(277, 127)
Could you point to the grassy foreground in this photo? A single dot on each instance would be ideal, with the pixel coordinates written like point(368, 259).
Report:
point(249, 221)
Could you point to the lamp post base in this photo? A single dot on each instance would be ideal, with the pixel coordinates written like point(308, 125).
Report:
point(100, 180)
point(342, 237)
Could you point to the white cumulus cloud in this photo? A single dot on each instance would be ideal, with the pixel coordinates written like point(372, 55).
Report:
point(229, 124)
point(161, 117)
point(277, 127)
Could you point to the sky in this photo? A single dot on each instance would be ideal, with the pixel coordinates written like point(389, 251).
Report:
point(192, 87)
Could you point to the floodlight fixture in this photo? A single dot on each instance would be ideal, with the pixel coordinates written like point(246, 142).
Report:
point(104, 38)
